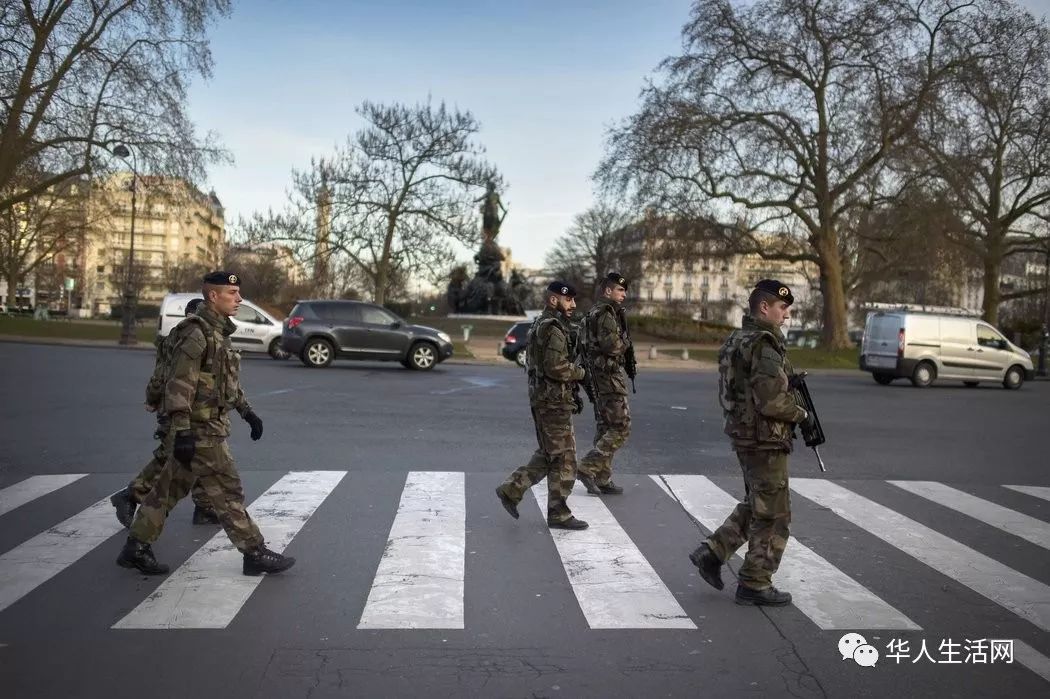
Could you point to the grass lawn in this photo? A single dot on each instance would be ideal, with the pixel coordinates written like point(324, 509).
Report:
point(72, 330)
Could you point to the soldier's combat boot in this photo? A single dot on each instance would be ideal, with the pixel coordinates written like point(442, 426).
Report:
point(136, 554)
point(710, 567)
point(124, 503)
point(261, 560)
point(508, 504)
point(589, 484)
point(769, 597)
point(610, 488)
point(203, 515)
point(570, 523)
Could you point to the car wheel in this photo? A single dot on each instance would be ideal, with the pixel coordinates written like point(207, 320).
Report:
point(1014, 378)
point(317, 353)
point(970, 384)
point(275, 350)
point(519, 357)
point(924, 374)
point(422, 356)
point(883, 379)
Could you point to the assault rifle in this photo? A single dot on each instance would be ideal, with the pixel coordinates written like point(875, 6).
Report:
point(630, 363)
point(812, 432)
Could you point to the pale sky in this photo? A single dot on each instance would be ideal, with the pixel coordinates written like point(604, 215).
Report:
point(544, 78)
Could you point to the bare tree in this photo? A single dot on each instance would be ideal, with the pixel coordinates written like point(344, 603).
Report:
point(34, 232)
point(392, 199)
point(262, 278)
point(986, 144)
point(594, 245)
point(184, 276)
point(77, 77)
point(778, 116)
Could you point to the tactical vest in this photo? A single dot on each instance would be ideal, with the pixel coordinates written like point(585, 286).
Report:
point(541, 388)
point(589, 346)
point(212, 396)
point(734, 384)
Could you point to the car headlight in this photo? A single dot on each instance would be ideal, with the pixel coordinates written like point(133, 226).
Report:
point(445, 338)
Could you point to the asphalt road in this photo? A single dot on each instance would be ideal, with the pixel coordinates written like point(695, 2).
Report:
point(519, 612)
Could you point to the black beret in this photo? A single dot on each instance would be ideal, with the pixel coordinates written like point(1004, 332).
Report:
point(562, 289)
point(778, 289)
point(191, 307)
point(221, 278)
point(617, 278)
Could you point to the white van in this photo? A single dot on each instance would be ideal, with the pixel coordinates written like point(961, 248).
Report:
point(257, 330)
point(929, 343)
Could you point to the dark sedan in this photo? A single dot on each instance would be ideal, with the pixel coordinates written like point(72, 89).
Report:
point(321, 331)
point(513, 345)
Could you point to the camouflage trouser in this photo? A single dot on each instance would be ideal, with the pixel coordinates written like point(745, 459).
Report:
point(613, 418)
point(144, 482)
point(214, 470)
point(761, 520)
point(555, 460)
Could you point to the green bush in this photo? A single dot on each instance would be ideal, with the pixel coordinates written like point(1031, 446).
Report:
point(142, 312)
point(680, 329)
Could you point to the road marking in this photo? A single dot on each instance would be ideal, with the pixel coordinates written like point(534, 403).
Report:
point(419, 582)
point(614, 584)
point(31, 564)
point(1010, 521)
point(829, 597)
point(1033, 490)
point(1015, 591)
point(32, 488)
point(208, 590)
point(1032, 659)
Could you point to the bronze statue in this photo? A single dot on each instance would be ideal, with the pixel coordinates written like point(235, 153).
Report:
point(491, 219)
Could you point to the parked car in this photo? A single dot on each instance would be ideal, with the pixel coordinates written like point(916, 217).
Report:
point(927, 344)
point(513, 345)
point(319, 332)
point(257, 330)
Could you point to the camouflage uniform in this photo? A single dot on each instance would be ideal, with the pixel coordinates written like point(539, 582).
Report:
point(551, 379)
point(604, 343)
point(759, 418)
point(143, 483)
point(203, 386)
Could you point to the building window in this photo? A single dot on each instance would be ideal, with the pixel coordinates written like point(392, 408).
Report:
point(649, 293)
point(706, 282)
point(100, 269)
point(667, 294)
point(703, 297)
point(725, 293)
point(688, 294)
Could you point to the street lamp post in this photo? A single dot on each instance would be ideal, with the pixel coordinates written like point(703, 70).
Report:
point(1045, 340)
point(127, 312)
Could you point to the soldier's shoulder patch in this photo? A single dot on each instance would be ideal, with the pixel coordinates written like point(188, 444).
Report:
point(192, 341)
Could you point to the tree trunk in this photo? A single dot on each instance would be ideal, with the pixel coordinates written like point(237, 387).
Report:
point(833, 334)
point(990, 306)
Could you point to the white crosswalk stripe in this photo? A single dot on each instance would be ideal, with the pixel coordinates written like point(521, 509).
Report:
point(825, 594)
point(613, 582)
point(32, 488)
point(1035, 491)
point(419, 584)
point(1010, 521)
point(1019, 593)
point(29, 565)
point(208, 590)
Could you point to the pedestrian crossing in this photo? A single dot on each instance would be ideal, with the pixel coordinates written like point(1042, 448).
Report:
point(608, 571)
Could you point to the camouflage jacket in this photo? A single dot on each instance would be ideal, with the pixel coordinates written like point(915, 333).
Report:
point(550, 368)
point(163, 363)
point(604, 344)
point(204, 383)
point(760, 412)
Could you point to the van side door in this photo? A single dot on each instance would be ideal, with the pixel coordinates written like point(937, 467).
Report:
point(958, 348)
point(252, 329)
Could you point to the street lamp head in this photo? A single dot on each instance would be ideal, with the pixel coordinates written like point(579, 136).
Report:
point(121, 151)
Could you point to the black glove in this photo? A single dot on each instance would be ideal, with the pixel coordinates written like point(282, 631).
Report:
point(163, 425)
point(579, 405)
point(185, 446)
point(807, 423)
point(256, 422)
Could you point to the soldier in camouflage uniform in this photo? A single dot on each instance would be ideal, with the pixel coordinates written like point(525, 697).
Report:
point(552, 379)
point(760, 418)
point(125, 501)
point(203, 385)
point(604, 343)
